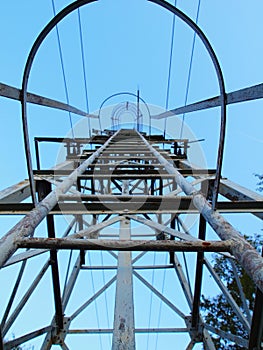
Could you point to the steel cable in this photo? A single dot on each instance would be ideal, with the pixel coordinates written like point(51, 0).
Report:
point(169, 71)
point(63, 69)
point(161, 302)
point(95, 301)
point(190, 69)
point(84, 68)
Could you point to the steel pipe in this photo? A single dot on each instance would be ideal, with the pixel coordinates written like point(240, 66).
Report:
point(26, 226)
point(246, 255)
point(125, 245)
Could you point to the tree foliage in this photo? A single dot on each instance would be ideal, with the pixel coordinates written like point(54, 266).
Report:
point(217, 311)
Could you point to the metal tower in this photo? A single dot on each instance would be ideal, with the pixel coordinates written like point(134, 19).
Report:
point(117, 201)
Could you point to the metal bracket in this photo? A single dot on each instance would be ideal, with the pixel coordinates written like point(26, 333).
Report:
point(196, 334)
point(58, 336)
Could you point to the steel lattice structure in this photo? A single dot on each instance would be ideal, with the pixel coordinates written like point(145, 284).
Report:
point(127, 191)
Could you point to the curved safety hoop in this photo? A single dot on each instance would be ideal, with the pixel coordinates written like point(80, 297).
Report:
point(79, 3)
point(129, 94)
point(221, 83)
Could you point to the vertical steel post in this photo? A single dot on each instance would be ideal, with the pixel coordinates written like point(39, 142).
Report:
point(123, 332)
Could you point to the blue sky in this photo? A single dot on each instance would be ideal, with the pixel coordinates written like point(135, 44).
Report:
point(127, 45)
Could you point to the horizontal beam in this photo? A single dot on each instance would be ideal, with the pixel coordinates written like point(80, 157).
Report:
point(15, 94)
point(242, 250)
point(177, 205)
point(26, 226)
point(235, 192)
point(247, 94)
point(15, 193)
point(137, 330)
point(125, 245)
point(114, 267)
point(155, 175)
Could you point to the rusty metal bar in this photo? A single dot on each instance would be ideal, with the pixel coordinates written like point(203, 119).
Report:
point(14, 344)
point(256, 333)
point(25, 298)
point(70, 283)
point(15, 94)
point(198, 277)
point(235, 192)
point(229, 189)
point(27, 225)
point(160, 295)
point(254, 92)
point(179, 205)
point(241, 290)
point(183, 281)
point(247, 256)
point(13, 294)
point(231, 337)
point(221, 83)
point(15, 193)
point(93, 230)
point(114, 267)
point(126, 245)
point(94, 297)
point(44, 189)
point(154, 174)
point(227, 295)
point(162, 228)
point(137, 330)
point(24, 256)
point(1, 340)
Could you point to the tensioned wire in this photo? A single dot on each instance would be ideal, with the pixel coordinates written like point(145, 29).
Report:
point(84, 68)
point(71, 123)
point(96, 306)
point(169, 70)
point(190, 69)
point(93, 288)
point(63, 69)
point(161, 302)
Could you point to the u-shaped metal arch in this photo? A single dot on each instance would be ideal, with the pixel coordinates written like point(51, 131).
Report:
point(79, 3)
point(129, 94)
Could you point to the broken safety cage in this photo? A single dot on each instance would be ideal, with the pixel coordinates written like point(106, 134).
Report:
point(126, 198)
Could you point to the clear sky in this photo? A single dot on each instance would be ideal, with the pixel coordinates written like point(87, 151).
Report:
point(127, 46)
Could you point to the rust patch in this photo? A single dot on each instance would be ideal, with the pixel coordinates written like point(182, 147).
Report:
point(206, 244)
